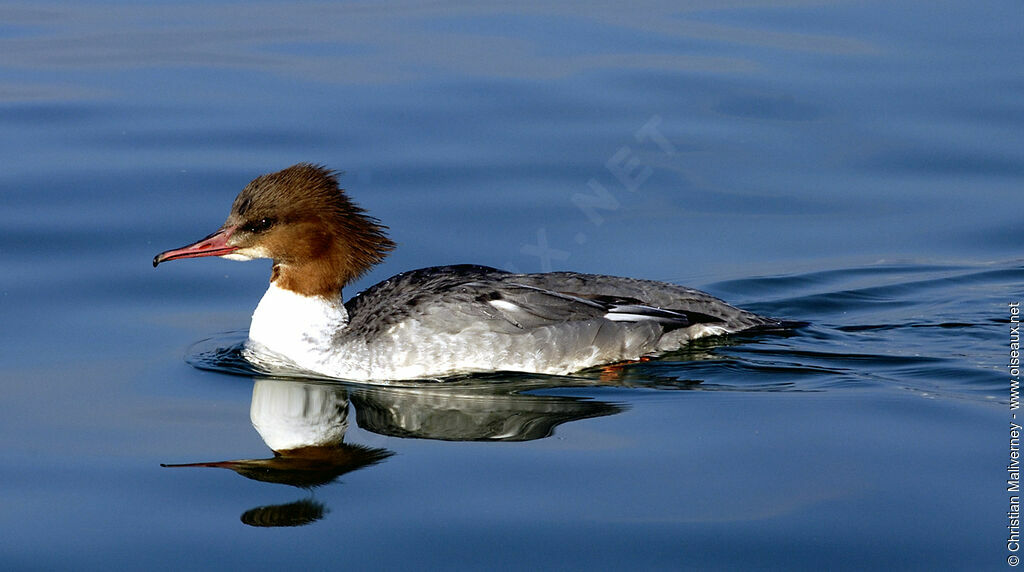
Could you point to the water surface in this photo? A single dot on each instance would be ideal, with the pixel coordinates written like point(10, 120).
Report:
point(855, 166)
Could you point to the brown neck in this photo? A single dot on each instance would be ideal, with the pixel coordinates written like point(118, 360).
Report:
point(325, 275)
point(308, 280)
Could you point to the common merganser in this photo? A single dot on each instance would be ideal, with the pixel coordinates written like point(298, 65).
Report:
point(433, 322)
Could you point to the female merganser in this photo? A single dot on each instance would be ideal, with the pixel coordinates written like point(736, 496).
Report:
point(433, 322)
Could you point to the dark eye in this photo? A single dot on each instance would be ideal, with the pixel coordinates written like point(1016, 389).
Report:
point(259, 226)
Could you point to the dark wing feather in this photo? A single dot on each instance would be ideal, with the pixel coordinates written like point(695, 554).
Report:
point(529, 307)
point(407, 294)
point(466, 293)
point(699, 307)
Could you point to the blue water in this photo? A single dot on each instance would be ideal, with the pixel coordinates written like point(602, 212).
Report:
point(857, 166)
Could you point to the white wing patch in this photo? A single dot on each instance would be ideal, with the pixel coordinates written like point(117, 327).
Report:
point(640, 313)
point(505, 306)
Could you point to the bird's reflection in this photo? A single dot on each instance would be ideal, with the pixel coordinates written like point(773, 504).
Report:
point(304, 424)
point(472, 413)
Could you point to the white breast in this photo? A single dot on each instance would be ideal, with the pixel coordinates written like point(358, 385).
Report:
point(300, 328)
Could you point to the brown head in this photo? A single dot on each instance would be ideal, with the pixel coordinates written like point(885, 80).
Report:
point(318, 239)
